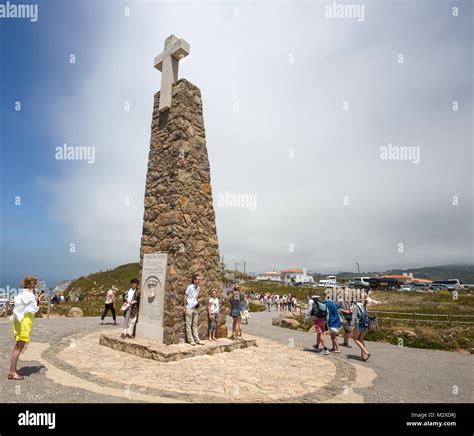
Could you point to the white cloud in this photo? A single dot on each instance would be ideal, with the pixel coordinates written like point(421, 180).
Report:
point(244, 59)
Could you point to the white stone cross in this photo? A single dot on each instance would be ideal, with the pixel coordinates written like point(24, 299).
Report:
point(167, 63)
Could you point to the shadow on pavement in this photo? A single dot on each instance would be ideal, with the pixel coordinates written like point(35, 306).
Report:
point(29, 370)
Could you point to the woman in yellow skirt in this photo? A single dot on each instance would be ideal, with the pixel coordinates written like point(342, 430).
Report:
point(26, 306)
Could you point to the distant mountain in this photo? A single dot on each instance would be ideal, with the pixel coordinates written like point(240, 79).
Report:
point(96, 285)
point(465, 273)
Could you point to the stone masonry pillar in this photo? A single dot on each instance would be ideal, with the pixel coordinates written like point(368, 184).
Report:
point(179, 216)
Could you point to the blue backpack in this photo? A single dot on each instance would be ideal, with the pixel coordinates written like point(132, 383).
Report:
point(363, 317)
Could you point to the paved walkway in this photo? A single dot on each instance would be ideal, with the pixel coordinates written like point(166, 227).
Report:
point(64, 363)
point(403, 374)
point(36, 387)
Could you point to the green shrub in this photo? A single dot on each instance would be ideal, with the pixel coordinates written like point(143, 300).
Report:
point(254, 307)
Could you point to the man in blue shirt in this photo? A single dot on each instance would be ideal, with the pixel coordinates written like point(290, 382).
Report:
point(334, 323)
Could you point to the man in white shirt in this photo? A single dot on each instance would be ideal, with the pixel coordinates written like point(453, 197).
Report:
point(191, 306)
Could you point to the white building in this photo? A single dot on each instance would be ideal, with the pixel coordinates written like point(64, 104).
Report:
point(296, 275)
point(270, 275)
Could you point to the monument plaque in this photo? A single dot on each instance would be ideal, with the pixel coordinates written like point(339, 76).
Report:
point(152, 301)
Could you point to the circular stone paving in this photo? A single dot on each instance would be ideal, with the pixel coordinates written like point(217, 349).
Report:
point(270, 372)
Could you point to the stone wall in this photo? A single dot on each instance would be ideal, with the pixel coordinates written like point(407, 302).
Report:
point(179, 217)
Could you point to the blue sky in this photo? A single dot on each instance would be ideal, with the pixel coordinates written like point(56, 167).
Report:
point(241, 60)
point(35, 72)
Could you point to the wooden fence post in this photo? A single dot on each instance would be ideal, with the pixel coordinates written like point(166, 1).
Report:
point(414, 319)
point(449, 319)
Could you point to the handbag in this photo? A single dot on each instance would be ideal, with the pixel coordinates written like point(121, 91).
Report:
point(124, 307)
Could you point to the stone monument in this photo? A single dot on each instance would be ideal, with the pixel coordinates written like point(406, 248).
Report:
point(179, 232)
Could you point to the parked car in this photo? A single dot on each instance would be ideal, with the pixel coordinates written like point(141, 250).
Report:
point(420, 286)
point(407, 287)
point(333, 285)
point(438, 286)
point(450, 285)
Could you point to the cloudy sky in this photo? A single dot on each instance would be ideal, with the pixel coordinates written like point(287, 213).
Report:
point(303, 112)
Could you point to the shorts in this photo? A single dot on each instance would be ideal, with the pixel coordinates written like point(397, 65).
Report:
point(360, 329)
point(319, 325)
point(334, 329)
point(23, 330)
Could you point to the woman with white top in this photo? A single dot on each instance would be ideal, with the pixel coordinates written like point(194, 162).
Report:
point(26, 305)
point(109, 304)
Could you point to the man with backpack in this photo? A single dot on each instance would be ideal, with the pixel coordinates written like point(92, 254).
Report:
point(318, 311)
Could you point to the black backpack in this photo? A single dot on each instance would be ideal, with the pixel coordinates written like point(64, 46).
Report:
point(319, 309)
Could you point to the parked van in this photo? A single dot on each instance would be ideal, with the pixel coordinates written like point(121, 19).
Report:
point(361, 282)
point(450, 285)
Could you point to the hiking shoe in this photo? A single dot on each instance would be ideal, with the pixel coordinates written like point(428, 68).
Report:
point(325, 352)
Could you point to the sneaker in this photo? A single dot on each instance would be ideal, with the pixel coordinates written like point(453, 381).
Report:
point(326, 352)
point(192, 343)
